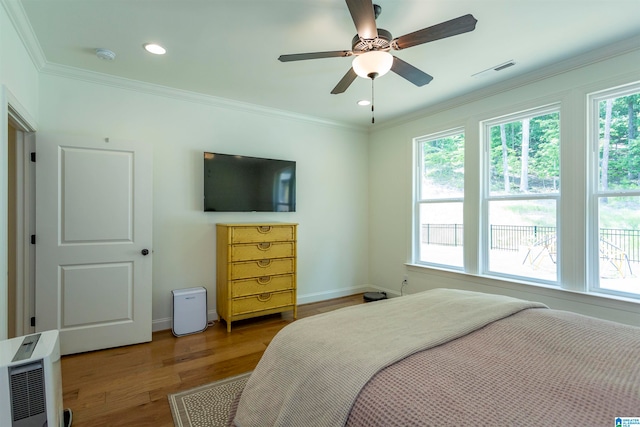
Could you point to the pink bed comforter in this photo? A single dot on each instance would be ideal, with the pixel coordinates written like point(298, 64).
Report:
point(534, 368)
point(314, 368)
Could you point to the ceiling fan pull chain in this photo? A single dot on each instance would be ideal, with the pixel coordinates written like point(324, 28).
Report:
point(373, 120)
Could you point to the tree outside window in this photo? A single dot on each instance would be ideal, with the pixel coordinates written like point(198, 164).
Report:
point(522, 194)
point(439, 199)
point(616, 120)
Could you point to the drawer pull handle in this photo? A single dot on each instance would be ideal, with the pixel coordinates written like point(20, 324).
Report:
point(264, 297)
point(264, 229)
point(264, 280)
point(264, 263)
point(264, 246)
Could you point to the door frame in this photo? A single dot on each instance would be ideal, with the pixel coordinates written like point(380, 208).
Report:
point(25, 227)
point(11, 111)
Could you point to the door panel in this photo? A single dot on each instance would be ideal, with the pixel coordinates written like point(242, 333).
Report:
point(95, 294)
point(93, 218)
point(96, 207)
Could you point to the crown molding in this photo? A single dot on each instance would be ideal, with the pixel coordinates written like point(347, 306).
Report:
point(94, 77)
point(18, 18)
point(594, 56)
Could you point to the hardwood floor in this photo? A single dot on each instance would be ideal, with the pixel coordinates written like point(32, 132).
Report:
point(128, 386)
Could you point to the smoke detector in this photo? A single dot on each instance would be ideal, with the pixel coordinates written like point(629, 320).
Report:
point(105, 54)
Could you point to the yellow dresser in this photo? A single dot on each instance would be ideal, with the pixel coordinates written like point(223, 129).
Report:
point(256, 270)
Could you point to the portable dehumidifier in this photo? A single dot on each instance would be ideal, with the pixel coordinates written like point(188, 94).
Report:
point(31, 382)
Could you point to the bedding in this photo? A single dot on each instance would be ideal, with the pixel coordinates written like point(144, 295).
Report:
point(535, 368)
point(445, 357)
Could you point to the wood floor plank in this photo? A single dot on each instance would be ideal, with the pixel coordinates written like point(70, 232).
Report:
point(128, 386)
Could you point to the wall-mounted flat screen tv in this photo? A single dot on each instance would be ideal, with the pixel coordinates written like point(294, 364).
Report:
point(248, 184)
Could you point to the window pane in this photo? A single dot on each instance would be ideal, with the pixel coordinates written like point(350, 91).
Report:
point(619, 119)
point(524, 156)
point(442, 168)
point(619, 244)
point(522, 238)
point(441, 233)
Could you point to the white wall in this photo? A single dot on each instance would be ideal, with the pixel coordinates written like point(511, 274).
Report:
point(332, 181)
point(17, 71)
point(18, 87)
point(390, 208)
point(354, 191)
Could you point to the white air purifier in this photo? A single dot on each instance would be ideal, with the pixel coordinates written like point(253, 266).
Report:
point(31, 381)
point(189, 311)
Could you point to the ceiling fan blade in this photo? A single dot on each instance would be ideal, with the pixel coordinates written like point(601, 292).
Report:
point(364, 18)
point(314, 55)
point(456, 26)
point(345, 82)
point(409, 72)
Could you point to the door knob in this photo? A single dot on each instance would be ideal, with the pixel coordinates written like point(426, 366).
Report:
point(145, 252)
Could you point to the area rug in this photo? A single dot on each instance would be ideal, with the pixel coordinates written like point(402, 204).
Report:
point(207, 405)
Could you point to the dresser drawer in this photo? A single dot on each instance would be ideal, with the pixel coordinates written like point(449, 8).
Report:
point(263, 233)
point(263, 250)
point(260, 302)
point(260, 268)
point(260, 285)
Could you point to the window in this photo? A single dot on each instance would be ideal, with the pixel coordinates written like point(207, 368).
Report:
point(615, 182)
point(551, 208)
point(521, 195)
point(439, 186)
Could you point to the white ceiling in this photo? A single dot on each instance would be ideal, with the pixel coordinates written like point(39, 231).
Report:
point(229, 48)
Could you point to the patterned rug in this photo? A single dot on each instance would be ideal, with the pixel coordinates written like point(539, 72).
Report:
point(207, 405)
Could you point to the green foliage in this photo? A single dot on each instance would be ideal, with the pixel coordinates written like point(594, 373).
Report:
point(544, 154)
point(624, 143)
point(444, 158)
point(444, 161)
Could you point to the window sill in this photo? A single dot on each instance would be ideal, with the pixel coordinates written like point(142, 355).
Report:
point(553, 296)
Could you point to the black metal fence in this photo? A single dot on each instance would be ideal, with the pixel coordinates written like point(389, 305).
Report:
point(514, 237)
point(627, 241)
point(443, 234)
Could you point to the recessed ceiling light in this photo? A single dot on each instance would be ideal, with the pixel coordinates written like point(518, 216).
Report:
point(155, 49)
point(364, 102)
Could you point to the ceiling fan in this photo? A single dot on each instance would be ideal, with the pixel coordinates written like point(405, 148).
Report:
point(371, 46)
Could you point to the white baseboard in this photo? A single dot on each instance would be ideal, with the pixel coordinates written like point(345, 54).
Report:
point(167, 322)
point(334, 293)
point(337, 293)
point(212, 315)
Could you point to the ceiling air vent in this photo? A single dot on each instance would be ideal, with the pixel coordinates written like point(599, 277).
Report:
point(494, 69)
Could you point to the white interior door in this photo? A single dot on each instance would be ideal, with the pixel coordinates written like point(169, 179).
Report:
point(93, 227)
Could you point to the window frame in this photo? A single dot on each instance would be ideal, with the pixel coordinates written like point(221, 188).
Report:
point(418, 201)
point(486, 197)
point(594, 191)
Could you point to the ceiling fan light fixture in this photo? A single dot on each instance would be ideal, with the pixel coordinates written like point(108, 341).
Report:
point(372, 64)
point(364, 102)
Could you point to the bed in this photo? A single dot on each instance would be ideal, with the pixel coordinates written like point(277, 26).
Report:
point(445, 357)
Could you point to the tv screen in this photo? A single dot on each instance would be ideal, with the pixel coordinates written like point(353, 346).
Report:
point(248, 184)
